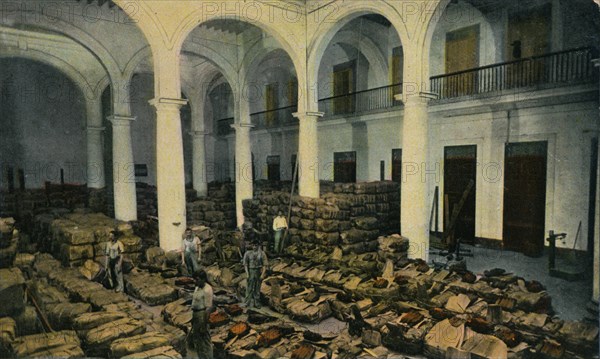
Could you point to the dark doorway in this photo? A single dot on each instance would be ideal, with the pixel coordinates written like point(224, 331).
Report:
point(273, 168)
point(397, 165)
point(525, 197)
point(344, 167)
point(344, 85)
point(592, 198)
point(460, 167)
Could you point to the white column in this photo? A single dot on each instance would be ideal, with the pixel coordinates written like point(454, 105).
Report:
point(243, 168)
point(308, 154)
point(123, 169)
point(95, 144)
point(414, 214)
point(170, 175)
point(199, 178)
point(95, 157)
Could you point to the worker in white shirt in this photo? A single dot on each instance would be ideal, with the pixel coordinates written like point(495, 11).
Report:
point(114, 261)
point(202, 306)
point(279, 225)
point(190, 251)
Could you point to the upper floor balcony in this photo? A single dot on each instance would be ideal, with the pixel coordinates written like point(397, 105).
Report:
point(555, 69)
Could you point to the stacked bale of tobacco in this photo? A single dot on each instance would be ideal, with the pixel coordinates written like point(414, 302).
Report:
point(64, 344)
point(97, 200)
point(393, 247)
point(150, 288)
point(147, 200)
point(77, 237)
point(217, 210)
point(8, 204)
point(66, 195)
point(9, 241)
point(27, 202)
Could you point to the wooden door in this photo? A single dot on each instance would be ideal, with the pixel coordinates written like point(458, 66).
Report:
point(529, 34)
point(525, 197)
point(460, 167)
point(462, 53)
point(344, 167)
point(343, 85)
point(271, 104)
point(273, 168)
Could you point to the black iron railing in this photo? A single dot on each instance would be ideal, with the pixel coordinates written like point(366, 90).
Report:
point(570, 66)
point(362, 101)
point(274, 118)
point(354, 103)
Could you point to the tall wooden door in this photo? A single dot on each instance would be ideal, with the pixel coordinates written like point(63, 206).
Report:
point(273, 168)
point(529, 34)
point(462, 53)
point(344, 167)
point(344, 77)
point(460, 167)
point(271, 104)
point(525, 197)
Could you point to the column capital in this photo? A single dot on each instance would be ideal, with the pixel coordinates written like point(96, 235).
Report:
point(121, 121)
point(300, 115)
point(165, 103)
point(416, 99)
point(596, 62)
point(95, 129)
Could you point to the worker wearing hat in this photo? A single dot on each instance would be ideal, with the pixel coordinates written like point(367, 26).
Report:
point(255, 264)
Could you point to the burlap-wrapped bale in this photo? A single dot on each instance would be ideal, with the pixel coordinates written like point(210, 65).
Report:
point(8, 332)
point(92, 270)
point(64, 344)
point(178, 314)
point(103, 297)
point(87, 321)
point(24, 260)
point(326, 225)
point(62, 315)
point(28, 322)
point(366, 223)
point(12, 291)
point(305, 312)
point(166, 352)
point(9, 253)
point(98, 340)
point(77, 236)
point(131, 244)
point(46, 294)
point(152, 289)
point(72, 253)
point(138, 343)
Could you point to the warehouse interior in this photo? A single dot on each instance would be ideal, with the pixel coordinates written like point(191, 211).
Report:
point(436, 163)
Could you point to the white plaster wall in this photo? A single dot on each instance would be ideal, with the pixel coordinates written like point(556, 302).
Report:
point(568, 128)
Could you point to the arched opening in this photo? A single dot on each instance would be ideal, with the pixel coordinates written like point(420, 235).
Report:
point(255, 86)
point(43, 120)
